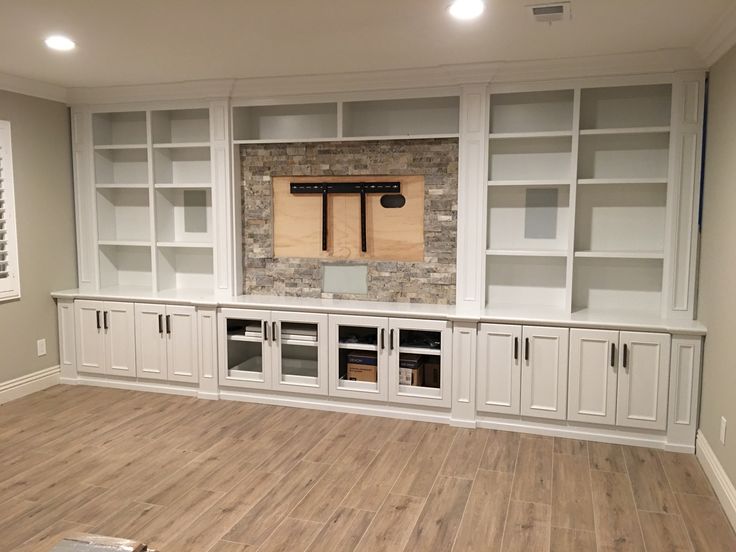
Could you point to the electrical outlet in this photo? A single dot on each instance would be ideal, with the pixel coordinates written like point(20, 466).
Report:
point(41, 347)
point(723, 430)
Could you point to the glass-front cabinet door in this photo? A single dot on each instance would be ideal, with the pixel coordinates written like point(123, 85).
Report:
point(420, 353)
point(359, 357)
point(299, 352)
point(245, 355)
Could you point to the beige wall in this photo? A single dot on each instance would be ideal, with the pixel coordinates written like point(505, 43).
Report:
point(717, 295)
point(46, 237)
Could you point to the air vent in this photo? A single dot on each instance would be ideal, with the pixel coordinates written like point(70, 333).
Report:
point(549, 13)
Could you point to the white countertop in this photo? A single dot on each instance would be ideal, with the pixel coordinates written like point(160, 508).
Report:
point(623, 320)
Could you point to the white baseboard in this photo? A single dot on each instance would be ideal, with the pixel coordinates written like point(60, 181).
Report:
point(133, 385)
point(717, 476)
point(30, 383)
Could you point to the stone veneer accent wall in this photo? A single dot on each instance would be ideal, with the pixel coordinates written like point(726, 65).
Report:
point(431, 281)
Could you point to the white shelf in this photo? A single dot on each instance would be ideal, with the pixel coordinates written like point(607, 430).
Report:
point(121, 166)
point(180, 127)
point(533, 112)
point(524, 253)
point(182, 165)
point(547, 158)
point(125, 266)
point(185, 266)
point(624, 181)
point(632, 130)
point(620, 156)
point(358, 385)
point(244, 338)
point(298, 342)
point(184, 186)
point(626, 107)
point(420, 391)
point(127, 243)
point(189, 245)
point(121, 147)
point(403, 118)
point(358, 346)
point(519, 135)
point(528, 183)
point(173, 145)
point(289, 123)
point(420, 351)
point(120, 129)
point(184, 216)
point(122, 186)
point(123, 215)
point(620, 254)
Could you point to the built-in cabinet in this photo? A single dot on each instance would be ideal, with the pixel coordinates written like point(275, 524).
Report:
point(105, 338)
point(166, 342)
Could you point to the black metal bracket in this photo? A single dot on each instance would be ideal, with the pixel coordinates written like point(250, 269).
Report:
point(362, 188)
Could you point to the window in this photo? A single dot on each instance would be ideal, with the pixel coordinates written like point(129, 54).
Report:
point(9, 277)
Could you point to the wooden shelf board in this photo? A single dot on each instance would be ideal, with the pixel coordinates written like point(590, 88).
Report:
point(632, 130)
point(122, 186)
point(120, 147)
point(524, 253)
point(175, 145)
point(529, 183)
point(627, 181)
point(620, 254)
point(185, 245)
point(520, 135)
point(125, 243)
point(192, 186)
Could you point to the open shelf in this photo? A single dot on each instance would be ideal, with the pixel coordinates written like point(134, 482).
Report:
point(126, 129)
point(632, 130)
point(184, 216)
point(526, 281)
point(617, 284)
point(528, 183)
point(125, 266)
point(121, 167)
point(618, 156)
point(185, 268)
point(546, 158)
point(626, 107)
point(518, 135)
point(620, 254)
point(180, 126)
point(413, 117)
point(123, 215)
point(182, 165)
point(532, 112)
point(610, 219)
point(528, 219)
point(622, 181)
point(285, 122)
point(525, 253)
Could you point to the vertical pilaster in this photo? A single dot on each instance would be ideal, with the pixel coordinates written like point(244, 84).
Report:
point(84, 199)
point(207, 331)
point(464, 342)
point(67, 343)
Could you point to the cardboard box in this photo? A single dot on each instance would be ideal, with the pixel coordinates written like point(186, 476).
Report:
point(411, 369)
point(362, 366)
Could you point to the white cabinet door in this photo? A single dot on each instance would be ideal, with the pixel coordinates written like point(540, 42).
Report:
point(245, 348)
point(359, 357)
point(592, 383)
point(299, 351)
point(643, 380)
point(150, 329)
point(544, 374)
point(499, 369)
point(428, 345)
point(90, 337)
point(119, 324)
point(181, 344)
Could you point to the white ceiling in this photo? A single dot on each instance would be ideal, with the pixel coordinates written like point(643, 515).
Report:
point(123, 42)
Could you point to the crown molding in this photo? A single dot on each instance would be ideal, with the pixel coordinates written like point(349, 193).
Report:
point(659, 61)
point(719, 38)
point(31, 87)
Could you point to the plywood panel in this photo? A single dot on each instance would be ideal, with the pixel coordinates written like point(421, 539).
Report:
point(392, 234)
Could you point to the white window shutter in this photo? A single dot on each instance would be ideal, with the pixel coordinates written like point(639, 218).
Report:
point(9, 276)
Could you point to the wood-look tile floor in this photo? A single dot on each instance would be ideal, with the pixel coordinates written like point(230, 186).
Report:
point(190, 475)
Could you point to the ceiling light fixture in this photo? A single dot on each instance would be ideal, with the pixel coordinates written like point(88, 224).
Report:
point(466, 9)
point(60, 43)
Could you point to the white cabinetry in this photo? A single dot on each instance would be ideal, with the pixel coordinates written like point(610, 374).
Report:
point(166, 342)
point(544, 379)
point(285, 351)
point(643, 380)
point(593, 376)
point(499, 369)
point(105, 338)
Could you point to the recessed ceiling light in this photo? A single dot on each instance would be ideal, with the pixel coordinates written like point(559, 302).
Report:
point(61, 43)
point(466, 9)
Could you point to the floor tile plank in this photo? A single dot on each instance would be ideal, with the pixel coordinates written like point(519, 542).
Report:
point(664, 532)
point(706, 523)
point(651, 489)
point(572, 501)
point(617, 523)
point(485, 514)
point(527, 527)
point(390, 529)
point(533, 476)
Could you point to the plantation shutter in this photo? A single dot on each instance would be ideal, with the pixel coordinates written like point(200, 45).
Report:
point(9, 279)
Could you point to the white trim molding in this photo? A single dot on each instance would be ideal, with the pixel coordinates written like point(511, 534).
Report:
point(722, 484)
point(719, 38)
point(30, 383)
point(31, 87)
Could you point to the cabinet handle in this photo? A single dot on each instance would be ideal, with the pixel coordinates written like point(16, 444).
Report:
point(168, 324)
point(99, 324)
point(626, 356)
point(265, 330)
point(383, 338)
point(526, 349)
point(516, 348)
point(391, 340)
point(613, 355)
point(161, 323)
point(273, 332)
point(104, 318)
